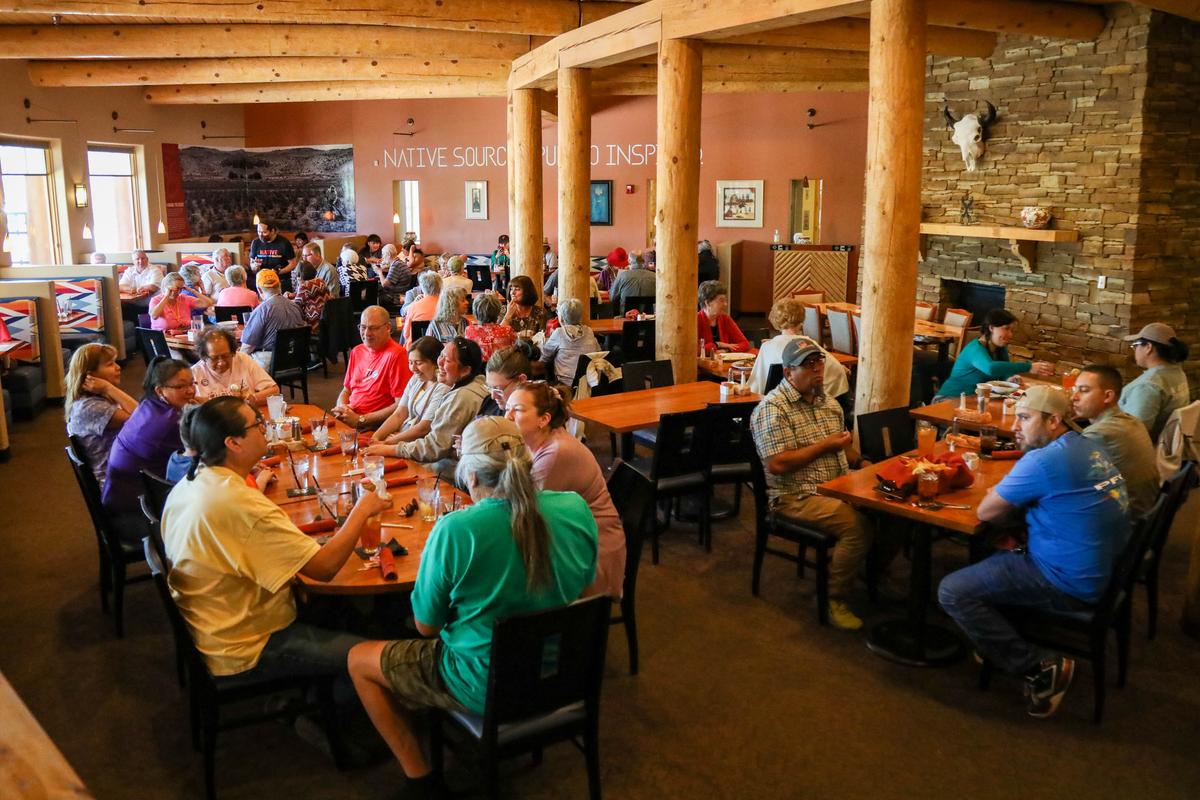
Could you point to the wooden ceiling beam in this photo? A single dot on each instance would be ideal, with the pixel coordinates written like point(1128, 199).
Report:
point(642, 88)
point(1052, 20)
point(848, 33)
point(541, 17)
point(146, 72)
point(247, 41)
point(310, 91)
point(714, 73)
point(636, 32)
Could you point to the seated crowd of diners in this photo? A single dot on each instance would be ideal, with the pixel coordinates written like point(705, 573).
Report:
point(542, 530)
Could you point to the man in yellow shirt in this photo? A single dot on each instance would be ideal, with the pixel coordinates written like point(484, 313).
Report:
point(234, 553)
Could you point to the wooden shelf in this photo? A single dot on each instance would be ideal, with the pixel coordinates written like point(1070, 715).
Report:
point(1023, 241)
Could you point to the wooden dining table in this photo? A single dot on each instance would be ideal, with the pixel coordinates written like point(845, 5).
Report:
point(941, 414)
point(31, 765)
point(912, 640)
point(606, 326)
point(355, 576)
point(627, 412)
point(180, 340)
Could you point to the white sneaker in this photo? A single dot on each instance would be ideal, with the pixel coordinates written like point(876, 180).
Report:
point(842, 618)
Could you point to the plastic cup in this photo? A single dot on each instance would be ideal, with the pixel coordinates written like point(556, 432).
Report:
point(275, 406)
point(429, 498)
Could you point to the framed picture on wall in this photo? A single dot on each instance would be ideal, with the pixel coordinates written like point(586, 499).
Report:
point(739, 204)
point(477, 204)
point(601, 202)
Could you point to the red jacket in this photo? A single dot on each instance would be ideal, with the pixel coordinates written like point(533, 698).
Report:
point(727, 331)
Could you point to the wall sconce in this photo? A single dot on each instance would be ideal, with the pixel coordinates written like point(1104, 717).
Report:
point(256, 219)
point(162, 226)
point(81, 196)
point(87, 232)
point(396, 218)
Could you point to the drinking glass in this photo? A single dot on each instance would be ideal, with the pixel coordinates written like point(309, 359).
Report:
point(373, 469)
point(972, 461)
point(329, 503)
point(926, 436)
point(349, 441)
point(369, 538)
point(927, 485)
point(987, 440)
point(275, 406)
point(320, 435)
point(345, 501)
point(429, 498)
point(302, 462)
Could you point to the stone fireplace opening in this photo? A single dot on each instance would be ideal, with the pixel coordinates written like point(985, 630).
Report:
point(978, 298)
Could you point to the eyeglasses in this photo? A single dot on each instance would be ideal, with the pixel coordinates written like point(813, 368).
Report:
point(188, 385)
point(373, 327)
point(260, 422)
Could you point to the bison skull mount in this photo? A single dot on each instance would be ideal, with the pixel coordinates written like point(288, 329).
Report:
point(970, 133)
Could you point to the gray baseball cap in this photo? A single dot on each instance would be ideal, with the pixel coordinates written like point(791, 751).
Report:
point(797, 351)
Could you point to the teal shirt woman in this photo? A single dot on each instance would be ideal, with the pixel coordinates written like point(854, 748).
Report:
point(986, 358)
point(1163, 386)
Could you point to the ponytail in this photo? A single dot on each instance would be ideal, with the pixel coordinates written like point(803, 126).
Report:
point(528, 527)
point(1179, 351)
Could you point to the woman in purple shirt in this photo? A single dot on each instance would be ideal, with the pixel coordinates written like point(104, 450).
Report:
point(147, 441)
point(562, 463)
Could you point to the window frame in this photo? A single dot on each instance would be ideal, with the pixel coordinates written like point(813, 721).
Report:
point(52, 176)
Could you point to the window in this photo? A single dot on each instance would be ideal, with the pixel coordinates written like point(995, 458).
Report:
point(114, 198)
point(408, 203)
point(32, 234)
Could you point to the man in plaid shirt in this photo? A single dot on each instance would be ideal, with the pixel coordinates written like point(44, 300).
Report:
point(802, 439)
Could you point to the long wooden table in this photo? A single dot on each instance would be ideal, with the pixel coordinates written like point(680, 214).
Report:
point(912, 640)
point(942, 415)
point(630, 411)
point(353, 579)
point(607, 326)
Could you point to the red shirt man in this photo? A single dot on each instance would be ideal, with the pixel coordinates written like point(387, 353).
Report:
point(376, 375)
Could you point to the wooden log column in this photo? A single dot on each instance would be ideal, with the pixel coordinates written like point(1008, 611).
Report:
point(895, 121)
point(677, 211)
point(574, 186)
point(510, 158)
point(527, 172)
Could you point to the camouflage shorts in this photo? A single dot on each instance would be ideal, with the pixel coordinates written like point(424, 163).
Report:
point(413, 668)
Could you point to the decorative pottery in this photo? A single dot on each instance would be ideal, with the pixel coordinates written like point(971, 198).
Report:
point(800, 238)
point(1035, 217)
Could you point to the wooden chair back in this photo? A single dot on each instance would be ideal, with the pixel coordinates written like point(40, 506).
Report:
point(958, 318)
point(926, 311)
point(841, 331)
point(812, 321)
point(809, 295)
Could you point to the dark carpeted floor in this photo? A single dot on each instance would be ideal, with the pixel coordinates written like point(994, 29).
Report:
point(738, 697)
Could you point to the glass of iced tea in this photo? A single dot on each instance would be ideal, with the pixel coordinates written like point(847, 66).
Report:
point(926, 436)
point(927, 485)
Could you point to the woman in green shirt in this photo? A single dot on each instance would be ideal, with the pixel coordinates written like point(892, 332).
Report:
point(514, 551)
point(1162, 387)
point(986, 358)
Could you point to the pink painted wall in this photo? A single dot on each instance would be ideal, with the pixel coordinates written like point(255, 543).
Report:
point(759, 136)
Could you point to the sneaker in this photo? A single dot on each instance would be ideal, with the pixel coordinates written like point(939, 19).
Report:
point(842, 618)
point(1045, 689)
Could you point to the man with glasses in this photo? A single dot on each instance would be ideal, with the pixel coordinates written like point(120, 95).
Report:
point(376, 375)
point(801, 436)
point(223, 370)
point(234, 553)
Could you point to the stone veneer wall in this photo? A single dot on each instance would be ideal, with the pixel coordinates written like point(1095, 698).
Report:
point(1166, 273)
point(1069, 136)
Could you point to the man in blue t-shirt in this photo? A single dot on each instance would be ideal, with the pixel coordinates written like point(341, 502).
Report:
point(1076, 508)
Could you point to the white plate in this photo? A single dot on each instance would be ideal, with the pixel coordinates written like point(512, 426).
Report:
point(1002, 387)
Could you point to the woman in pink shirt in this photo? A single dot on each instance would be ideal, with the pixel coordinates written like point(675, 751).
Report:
point(172, 311)
point(562, 463)
point(237, 294)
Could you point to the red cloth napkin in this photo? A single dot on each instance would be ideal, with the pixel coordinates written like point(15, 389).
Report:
point(898, 472)
point(401, 480)
point(329, 451)
point(272, 461)
point(306, 426)
point(319, 526)
point(387, 564)
point(394, 465)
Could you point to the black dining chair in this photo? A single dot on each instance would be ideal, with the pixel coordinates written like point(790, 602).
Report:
point(679, 468)
point(1176, 489)
point(208, 693)
point(1084, 634)
point(774, 377)
point(337, 332)
point(227, 313)
point(638, 375)
point(481, 277)
point(637, 340)
point(419, 328)
point(633, 496)
point(289, 363)
point(363, 294)
point(152, 343)
point(731, 449)
point(640, 303)
point(116, 554)
point(544, 681)
point(600, 310)
point(887, 433)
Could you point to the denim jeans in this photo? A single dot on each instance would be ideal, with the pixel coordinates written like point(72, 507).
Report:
point(303, 649)
point(971, 596)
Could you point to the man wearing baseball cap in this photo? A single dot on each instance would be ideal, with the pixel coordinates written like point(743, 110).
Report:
point(273, 314)
point(1163, 387)
point(1075, 506)
point(801, 437)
